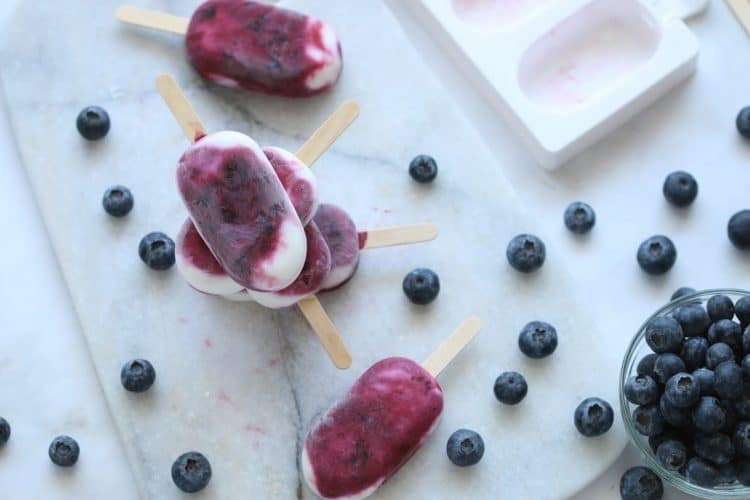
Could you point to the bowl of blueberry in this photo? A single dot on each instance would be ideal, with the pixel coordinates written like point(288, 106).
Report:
point(685, 392)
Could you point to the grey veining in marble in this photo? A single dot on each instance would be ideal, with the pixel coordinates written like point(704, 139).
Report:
point(242, 383)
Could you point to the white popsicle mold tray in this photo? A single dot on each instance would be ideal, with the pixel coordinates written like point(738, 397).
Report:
point(564, 73)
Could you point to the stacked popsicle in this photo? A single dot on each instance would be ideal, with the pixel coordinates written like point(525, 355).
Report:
point(256, 231)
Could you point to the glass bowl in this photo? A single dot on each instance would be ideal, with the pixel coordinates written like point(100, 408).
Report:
point(637, 349)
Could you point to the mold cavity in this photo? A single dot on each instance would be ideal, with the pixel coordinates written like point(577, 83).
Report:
point(588, 53)
point(496, 14)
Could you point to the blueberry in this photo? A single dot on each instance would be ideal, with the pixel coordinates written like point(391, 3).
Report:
point(641, 390)
point(720, 307)
point(421, 286)
point(680, 188)
point(716, 447)
point(726, 331)
point(727, 473)
point(510, 388)
point(117, 201)
point(738, 229)
point(741, 406)
point(741, 439)
point(743, 472)
point(657, 255)
point(641, 483)
point(682, 390)
point(694, 352)
point(743, 122)
point(579, 217)
point(526, 253)
point(717, 354)
point(745, 366)
point(4, 431)
point(157, 251)
point(693, 318)
point(700, 472)
point(742, 310)
point(705, 379)
point(666, 366)
point(674, 416)
point(423, 168)
point(728, 380)
point(191, 472)
point(537, 339)
point(672, 454)
point(593, 417)
point(731, 419)
point(465, 447)
point(64, 451)
point(137, 375)
point(664, 334)
point(682, 292)
point(93, 123)
point(648, 420)
point(709, 415)
point(646, 365)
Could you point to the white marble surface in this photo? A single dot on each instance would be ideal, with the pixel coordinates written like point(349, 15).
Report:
point(35, 339)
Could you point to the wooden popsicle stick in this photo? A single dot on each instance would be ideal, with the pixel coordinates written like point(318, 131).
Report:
point(310, 307)
point(153, 19)
point(180, 107)
point(324, 328)
point(451, 346)
point(397, 235)
point(741, 10)
point(328, 132)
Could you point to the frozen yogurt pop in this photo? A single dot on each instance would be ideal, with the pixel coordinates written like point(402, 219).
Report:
point(242, 211)
point(253, 45)
point(388, 413)
point(298, 181)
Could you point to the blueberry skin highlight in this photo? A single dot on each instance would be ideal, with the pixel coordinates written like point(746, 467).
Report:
point(641, 483)
point(510, 388)
point(64, 451)
point(709, 415)
point(191, 472)
point(672, 454)
point(641, 390)
point(700, 472)
point(137, 375)
point(117, 201)
point(537, 339)
point(656, 255)
point(680, 188)
point(682, 292)
point(720, 307)
point(593, 417)
point(423, 169)
point(465, 448)
point(156, 250)
point(421, 286)
point(743, 122)
point(664, 334)
point(526, 253)
point(738, 230)
point(93, 123)
point(579, 217)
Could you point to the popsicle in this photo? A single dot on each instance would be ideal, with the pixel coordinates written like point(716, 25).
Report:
point(310, 307)
point(254, 46)
point(242, 211)
point(298, 181)
point(389, 412)
point(345, 241)
point(317, 266)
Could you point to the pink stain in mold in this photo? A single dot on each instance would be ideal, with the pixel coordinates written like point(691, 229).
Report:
point(207, 342)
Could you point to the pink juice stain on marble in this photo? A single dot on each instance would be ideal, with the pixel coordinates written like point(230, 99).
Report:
point(207, 342)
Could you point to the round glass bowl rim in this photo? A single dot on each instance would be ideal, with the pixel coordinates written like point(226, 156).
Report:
point(640, 442)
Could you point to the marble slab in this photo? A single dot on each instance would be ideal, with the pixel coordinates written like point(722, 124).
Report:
point(241, 383)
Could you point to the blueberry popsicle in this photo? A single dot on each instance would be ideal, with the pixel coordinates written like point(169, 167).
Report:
point(298, 181)
point(389, 412)
point(253, 45)
point(242, 211)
